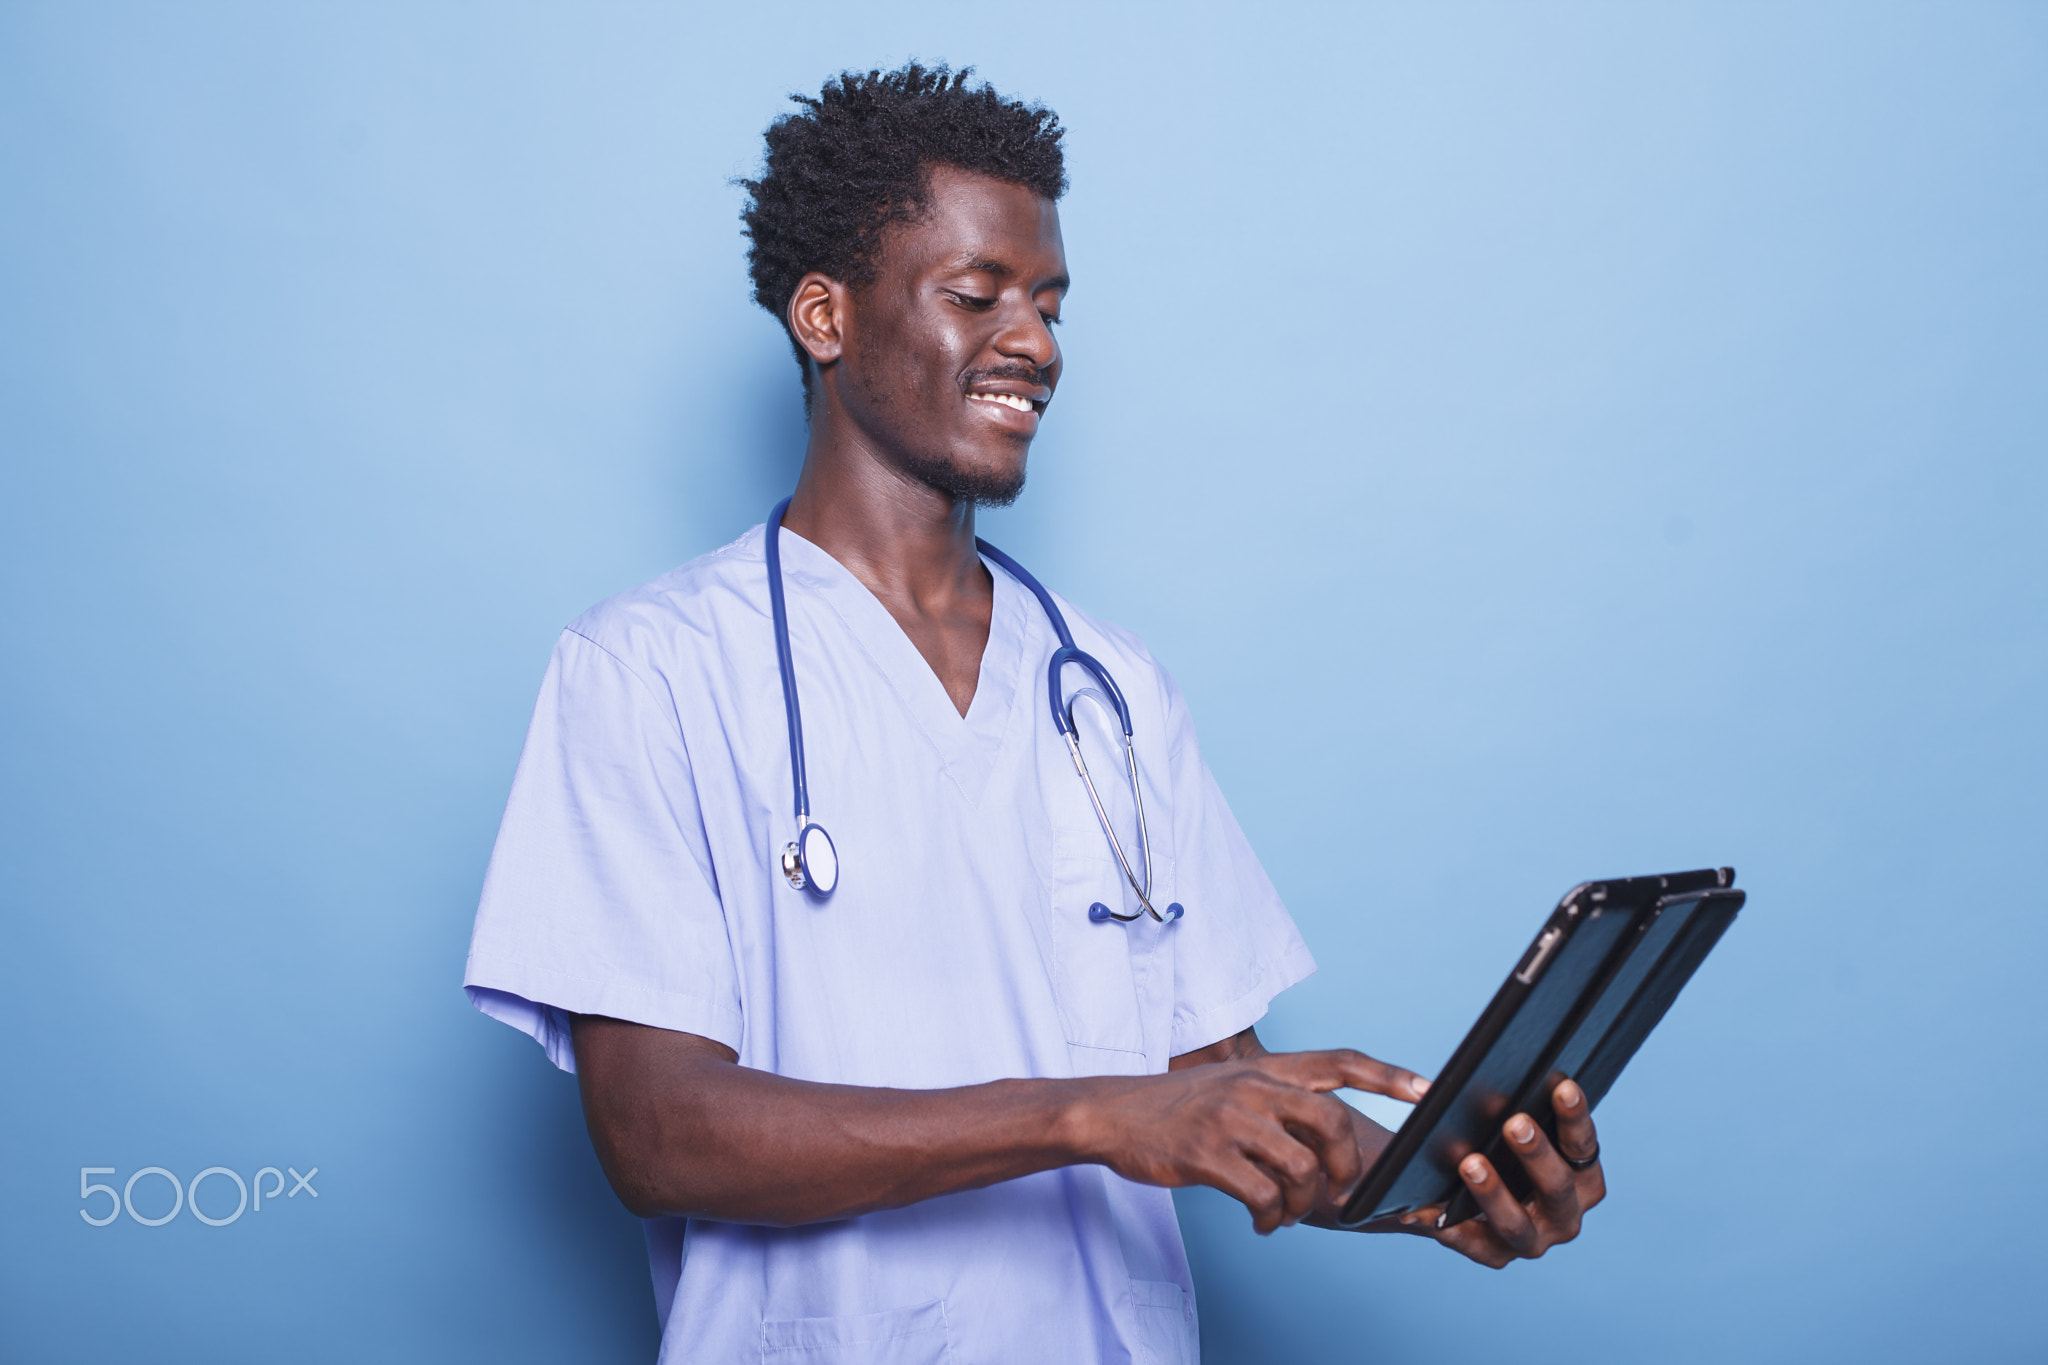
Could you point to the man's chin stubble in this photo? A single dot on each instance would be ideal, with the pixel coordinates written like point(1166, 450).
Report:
point(978, 488)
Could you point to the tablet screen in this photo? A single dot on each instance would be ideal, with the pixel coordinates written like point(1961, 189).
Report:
point(1607, 965)
point(1480, 1104)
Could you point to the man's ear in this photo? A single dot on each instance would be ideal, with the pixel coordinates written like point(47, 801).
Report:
point(818, 314)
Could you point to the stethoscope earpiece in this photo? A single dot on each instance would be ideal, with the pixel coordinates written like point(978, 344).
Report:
point(1102, 914)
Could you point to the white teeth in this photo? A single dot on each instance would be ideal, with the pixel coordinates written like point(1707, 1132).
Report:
point(1008, 400)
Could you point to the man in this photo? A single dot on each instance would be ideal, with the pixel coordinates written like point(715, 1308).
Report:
point(935, 1114)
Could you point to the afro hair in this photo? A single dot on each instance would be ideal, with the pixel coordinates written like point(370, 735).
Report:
point(856, 159)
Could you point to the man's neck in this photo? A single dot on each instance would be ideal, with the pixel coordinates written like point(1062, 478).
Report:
point(911, 545)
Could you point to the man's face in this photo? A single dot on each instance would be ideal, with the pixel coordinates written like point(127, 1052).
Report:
point(949, 357)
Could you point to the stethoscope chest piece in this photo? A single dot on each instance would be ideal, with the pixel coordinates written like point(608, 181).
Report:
point(812, 862)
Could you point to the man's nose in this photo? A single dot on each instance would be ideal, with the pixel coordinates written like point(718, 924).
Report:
point(1026, 337)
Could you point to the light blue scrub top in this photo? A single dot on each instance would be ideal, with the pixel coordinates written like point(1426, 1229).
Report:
point(636, 875)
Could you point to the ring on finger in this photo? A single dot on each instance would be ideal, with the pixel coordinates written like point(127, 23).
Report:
point(1585, 1163)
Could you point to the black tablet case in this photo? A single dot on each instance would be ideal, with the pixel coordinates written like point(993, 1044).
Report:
point(1593, 983)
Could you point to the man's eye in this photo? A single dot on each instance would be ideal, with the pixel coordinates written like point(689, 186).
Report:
point(1051, 319)
point(977, 303)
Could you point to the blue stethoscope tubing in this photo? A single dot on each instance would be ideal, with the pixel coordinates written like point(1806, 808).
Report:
point(811, 861)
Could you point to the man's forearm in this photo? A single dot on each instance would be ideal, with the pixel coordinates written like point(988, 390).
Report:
point(1238, 1047)
point(681, 1129)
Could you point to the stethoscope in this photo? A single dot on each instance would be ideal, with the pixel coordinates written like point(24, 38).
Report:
point(811, 862)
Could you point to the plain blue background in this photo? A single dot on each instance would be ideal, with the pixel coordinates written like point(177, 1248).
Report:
point(1545, 442)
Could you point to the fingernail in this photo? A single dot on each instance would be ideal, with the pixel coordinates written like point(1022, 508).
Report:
point(1418, 1086)
point(1567, 1095)
point(1474, 1171)
point(1521, 1130)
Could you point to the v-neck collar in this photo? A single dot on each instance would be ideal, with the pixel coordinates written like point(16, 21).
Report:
point(967, 746)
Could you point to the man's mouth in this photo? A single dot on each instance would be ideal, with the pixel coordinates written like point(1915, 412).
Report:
point(1023, 395)
point(1009, 400)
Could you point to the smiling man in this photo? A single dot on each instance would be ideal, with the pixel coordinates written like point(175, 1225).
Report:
point(916, 1092)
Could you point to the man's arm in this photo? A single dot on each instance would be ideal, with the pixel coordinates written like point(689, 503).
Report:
point(681, 1128)
point(1510, 1230)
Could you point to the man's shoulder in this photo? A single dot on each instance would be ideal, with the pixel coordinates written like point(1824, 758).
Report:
point(680, 614)
point(1111, 643)
point(1141, 677)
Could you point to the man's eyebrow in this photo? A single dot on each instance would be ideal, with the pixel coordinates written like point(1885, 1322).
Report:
point(989, 266)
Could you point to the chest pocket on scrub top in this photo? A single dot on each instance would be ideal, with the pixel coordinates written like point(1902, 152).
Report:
point(1099, 967)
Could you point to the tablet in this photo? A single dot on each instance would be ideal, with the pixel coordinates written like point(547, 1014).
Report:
point(1592, 984)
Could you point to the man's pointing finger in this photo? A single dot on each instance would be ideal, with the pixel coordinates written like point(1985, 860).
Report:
point(1344, 1068)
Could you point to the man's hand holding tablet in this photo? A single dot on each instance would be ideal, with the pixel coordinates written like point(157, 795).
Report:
point(1591, 986)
